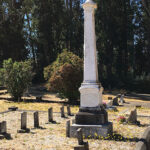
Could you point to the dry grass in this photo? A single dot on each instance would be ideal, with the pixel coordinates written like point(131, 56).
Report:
point(53, 136)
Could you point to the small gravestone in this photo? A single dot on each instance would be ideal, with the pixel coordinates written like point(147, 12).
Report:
point(3, 130)
point(80, 136)
point(109, 104)
point(81, 144)
point(122, 99)
point(3, 127)
point(24, 128)
point(133, 117)
point(62, 112)
point(68, 128)
point(38, 98)
point(50, 114)
point(69, 111)
point(13, 108)
point(115, 101)
point(36, 119)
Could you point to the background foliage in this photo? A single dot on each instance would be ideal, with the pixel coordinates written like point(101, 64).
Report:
point(40, 30)
point(65, 75)
point(17, 76)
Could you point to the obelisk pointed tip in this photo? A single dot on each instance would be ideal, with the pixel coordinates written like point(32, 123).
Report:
point(90, 3)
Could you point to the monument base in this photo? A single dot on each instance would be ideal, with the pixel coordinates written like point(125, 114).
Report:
point(92, 131)
point(93, 122)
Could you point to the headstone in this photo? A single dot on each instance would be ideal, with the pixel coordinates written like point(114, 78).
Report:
point(3, 131)
point(36, 119)
point(62, 112)
point(68, 111)
point(110, 103)
point(115, 101)
point(24, 120)
point(132, 117)
point(122, 99)
point(80, 136)
point(24, 128)
point(3, 127)
point(50, 114)
point(68, 128)
point(82, 145)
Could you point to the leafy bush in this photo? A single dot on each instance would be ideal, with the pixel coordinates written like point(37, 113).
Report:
point(65, 75)
point(16, 76)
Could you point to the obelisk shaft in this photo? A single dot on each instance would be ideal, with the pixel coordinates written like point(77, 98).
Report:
point(90, 88)
point(90, 55)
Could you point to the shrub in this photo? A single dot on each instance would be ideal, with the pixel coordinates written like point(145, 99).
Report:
point(65, 75)
point(17, 76)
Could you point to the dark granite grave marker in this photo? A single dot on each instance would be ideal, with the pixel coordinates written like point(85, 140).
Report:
point(24, 128)
point(3, 131)
point(50, 114)
point(68, 128)
point(36, 119)
point(68, 111)
point(62, 112)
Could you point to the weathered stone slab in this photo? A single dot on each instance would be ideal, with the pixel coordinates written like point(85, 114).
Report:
point(92, 131)
point(122, 99)
point(80, 136)
point(24, 120)
point(3, 131)
point(110, 103)
point(62, 112)
point(132, 117)
point(3, 127)
point(24, 128)
point(36, 119)
point(68, 128)
point(115, 101)
point(91, 118)
point(69, 111)
point(50, 114)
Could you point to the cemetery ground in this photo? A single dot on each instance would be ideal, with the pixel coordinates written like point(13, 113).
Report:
point(52, 136)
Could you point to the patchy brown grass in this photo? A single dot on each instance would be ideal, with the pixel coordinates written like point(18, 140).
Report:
point(53, 136)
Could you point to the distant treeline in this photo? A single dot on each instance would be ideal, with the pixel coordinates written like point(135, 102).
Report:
point(41, 29)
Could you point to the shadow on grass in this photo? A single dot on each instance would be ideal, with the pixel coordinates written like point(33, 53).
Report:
point(53, 122)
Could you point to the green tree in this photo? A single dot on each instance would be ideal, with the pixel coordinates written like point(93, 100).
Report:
point(16, 76)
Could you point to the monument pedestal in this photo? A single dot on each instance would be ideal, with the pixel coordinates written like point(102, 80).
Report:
point(93, 122)
point(92, 131)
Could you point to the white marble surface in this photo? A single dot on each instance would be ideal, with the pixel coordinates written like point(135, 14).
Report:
point(91, 96)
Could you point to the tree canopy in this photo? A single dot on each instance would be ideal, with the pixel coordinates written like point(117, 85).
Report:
point(40, 30)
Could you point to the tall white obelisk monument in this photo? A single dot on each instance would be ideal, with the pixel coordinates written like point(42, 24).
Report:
point(92, 117)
